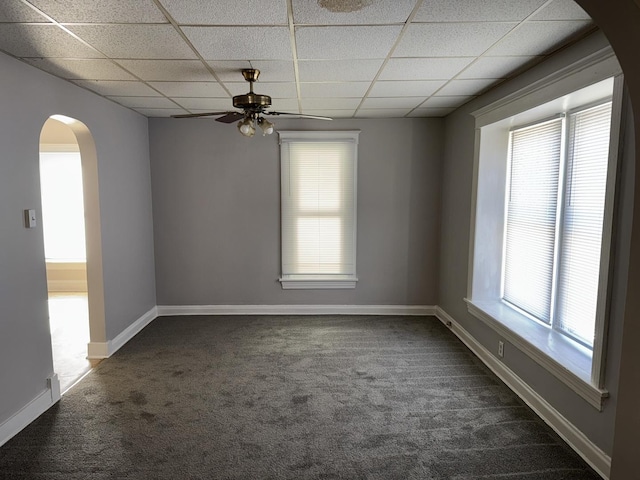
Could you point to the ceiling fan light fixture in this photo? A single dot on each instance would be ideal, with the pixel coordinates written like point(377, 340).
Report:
point(266, 126)
point(246, 127)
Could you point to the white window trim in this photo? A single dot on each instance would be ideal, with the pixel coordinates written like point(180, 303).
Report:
point(317, 282)
point(576, 367)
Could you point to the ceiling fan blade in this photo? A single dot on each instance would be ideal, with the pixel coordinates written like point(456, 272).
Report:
point(230, 117)
point(194, 115)
point(299, 115)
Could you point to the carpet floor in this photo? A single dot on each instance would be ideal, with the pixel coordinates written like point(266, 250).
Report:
point(330, 397)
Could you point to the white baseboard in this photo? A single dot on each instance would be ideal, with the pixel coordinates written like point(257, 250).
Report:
point(164, 310)
point(577, 440)
point(98, 350)
point(31, 410)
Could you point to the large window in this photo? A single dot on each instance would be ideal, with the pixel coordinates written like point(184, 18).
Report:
point(541, 232)
point(553, 228)
point(318, 186)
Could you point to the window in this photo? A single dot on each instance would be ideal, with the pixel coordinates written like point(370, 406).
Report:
point(62, 206)
point(318, 218)
point(553, 229)
point(542, 218)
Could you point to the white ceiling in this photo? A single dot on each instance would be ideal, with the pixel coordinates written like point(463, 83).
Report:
point(341, 58)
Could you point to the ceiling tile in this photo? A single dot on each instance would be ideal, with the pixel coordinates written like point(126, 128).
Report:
point(16, 11)
point(450, 39)
point(275, 90)
point(495, 67)
point(393, 102)
point(415, 88)
point(331, 12)
point(208, 104)
point(144, 102)
point(233, 43)
point(423, 68)
point(135, 41)
point(190, 89)
point(45, 40)
point(536, 38)
point(229, 70)
point(447, 101)
point(161, 112)
point(81, 69)
point(431, 112)
point(562, 10)
point(274, 70)
point(338, 70)
point(168, 70)
point(466, 87)
point(476, 10)
point(284, 105)
point(228, 12)
point(330, 103)
point(345, 42)
point(382, 112)
point(331, 113)
point(114, 87)
point(344, 89)
point(91, 11)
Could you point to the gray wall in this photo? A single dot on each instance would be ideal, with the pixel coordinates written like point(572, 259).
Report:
point(27, 98)
point(216, 205)
point(456, 211)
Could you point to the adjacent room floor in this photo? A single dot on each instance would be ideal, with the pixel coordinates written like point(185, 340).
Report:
point(69, 322)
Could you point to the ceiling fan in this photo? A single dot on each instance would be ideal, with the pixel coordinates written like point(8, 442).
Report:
point(253, 106)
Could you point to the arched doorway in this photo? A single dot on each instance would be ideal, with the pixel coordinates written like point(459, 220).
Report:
point(71, 224)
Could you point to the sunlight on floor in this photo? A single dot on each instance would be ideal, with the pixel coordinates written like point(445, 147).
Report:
point(69, 322)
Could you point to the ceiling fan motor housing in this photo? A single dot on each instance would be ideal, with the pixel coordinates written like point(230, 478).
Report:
point(252, 101)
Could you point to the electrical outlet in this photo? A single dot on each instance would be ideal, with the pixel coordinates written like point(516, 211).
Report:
point(500, 348)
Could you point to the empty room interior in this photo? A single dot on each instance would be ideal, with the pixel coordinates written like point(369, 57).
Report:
point(319, 239)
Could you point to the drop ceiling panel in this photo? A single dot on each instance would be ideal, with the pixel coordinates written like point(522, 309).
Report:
point(495, 67)
point(229, 70)
point(330, 103)
point(160, 112)
point(416, 88)
point(345, 42)
point(208, 104)
point(275, 90)
point(562, 10)
point(393, 102)
point(118, 88)
point(44, 40)
point(16, 11)
point(82, 69)
point(228, 12)
point(231, 43)
point(338, 70)
point(424, 68)
point(340, 12)
point(450, 39)
point(190, 89)
point(331, 113)
point(447, 101)
point(476, 10)
point(144, 102)
point(168, 70)
point(92, 11)
point(535, 38)
point(344, 89)
point(382, 112)
point(273, 70)
point(431, 112)
point(465, 87)
point(135, 41)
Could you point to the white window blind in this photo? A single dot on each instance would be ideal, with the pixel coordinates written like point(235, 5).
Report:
point(318, 206)
point(62, 206)
point(581, 239)
point(531, 217)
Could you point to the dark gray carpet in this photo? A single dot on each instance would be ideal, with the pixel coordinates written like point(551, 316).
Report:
point(291, 398)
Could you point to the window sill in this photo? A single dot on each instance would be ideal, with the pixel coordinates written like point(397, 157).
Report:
point(565, 359)
point(303, 282)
